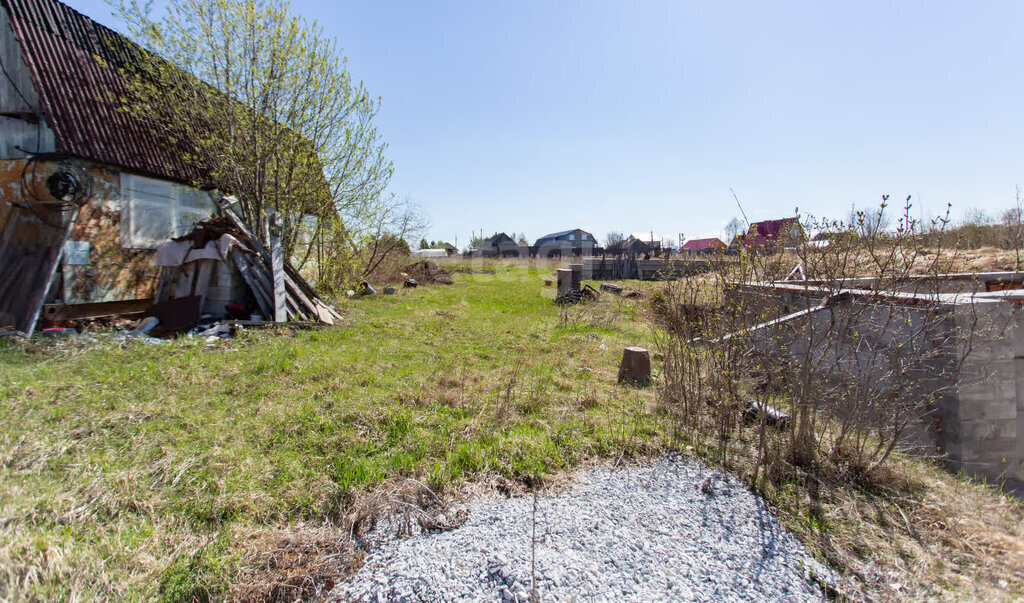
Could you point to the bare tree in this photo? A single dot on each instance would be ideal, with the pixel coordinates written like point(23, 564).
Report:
point(855, 373)
point(612, 238)
point(733, 228)
point(1013, 221)
point(261, 101)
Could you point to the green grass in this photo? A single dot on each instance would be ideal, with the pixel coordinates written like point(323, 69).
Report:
point(128, 472)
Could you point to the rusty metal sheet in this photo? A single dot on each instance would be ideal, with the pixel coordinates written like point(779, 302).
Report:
point(78, 93)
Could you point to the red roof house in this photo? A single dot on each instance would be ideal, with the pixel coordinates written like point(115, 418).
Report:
point(769, 233)
point(703, 244)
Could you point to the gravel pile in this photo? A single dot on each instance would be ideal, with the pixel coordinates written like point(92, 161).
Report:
point(675, 530)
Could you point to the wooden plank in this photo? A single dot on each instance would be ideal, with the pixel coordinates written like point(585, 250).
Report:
point(203, 274)
point(48, 268)
point(250, 278)
point(277, 269)
point(5, 240)
point(163, 286)
point(293, 279)
point(96, 310)
point(186, 280)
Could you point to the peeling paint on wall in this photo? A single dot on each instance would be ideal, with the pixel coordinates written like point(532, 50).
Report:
point(113, 273)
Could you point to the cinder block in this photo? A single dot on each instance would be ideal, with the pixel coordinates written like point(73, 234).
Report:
point(983, 431)
point(972, 409)
point(994, 450)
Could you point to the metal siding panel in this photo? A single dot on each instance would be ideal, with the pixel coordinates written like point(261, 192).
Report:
point(59, 45)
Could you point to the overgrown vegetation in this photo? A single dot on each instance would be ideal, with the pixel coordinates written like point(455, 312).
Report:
point(238, 470)
point(860, 379)
point(261, 103)
point(149, 470)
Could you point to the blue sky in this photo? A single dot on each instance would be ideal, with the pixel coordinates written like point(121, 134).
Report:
point(538, 116)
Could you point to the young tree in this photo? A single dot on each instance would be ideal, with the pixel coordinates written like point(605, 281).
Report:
point(478, 241)
point(424, 244)
point(612, 238)
point(1013, 221)
point(733, 228)
point(261, 101)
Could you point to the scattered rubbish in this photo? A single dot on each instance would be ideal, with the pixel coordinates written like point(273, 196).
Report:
point(59, 332)
point(218, 330)
point(756, 410)
point(411, 283)
point(231, 272)
point(548, 282)
point(366, 288)
point(13, 334)
point(602, 347)
point(635, 368)
point(586, 293)
point(611, 288)
point(241, 312)
point(427, 272)
point(634, 295)
point(146, 325)
point(350, 293)
point(177, 314)
point(389, 290)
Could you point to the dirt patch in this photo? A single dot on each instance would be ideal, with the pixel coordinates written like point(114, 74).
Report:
point(427, 273)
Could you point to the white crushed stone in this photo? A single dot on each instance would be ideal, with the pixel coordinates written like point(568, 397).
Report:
point(629, 534)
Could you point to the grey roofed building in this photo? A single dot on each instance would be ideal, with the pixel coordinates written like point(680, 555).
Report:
point(567, 242)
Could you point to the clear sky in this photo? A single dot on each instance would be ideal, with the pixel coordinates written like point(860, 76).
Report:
point(545, 115)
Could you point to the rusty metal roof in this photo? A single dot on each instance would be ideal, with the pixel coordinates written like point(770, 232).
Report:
point(76, 66)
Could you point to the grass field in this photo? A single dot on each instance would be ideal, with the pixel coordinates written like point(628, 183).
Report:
point(120, 462)
point(183, 470)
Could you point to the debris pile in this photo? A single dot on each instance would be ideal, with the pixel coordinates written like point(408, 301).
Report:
point(426, 272)
point(574, 297)
point(222, 270)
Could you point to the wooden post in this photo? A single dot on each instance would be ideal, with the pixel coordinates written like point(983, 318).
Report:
point(277, 268)
point(635, 367)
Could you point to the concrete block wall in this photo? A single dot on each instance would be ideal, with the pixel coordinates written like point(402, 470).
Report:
point(974, 370)
point(990, 390)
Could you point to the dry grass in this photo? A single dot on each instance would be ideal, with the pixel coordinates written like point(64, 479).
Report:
point(240, 471)
point(907, 531)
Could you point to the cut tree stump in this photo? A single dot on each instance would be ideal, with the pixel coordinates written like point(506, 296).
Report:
point(635, 367)
point(565, 283)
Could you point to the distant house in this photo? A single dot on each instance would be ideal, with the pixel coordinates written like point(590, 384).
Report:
point(428, 253)
point(770, 234)
point(628, 247)
point(499, 245)
point(654, 242)
point(710, 244)
point(826, 238)
point(565, 243)
point(449, 248)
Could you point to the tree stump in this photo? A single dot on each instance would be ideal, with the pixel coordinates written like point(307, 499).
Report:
point(565, 284)
point(635, 367)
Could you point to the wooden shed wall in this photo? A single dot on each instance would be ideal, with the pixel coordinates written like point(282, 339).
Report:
point(112, 272)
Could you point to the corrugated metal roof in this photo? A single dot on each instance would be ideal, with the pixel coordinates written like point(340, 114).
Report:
point(76, 67)
point(771, 229)
point(697, 244)
point(555, 235)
